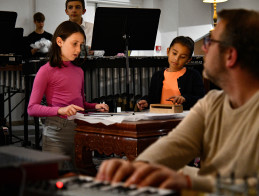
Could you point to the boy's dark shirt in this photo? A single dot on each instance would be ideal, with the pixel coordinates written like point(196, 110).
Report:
point(34, 37)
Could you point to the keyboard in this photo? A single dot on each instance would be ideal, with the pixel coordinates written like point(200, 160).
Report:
point(87, 186)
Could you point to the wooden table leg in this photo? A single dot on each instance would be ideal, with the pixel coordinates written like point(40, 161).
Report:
point(83, 156)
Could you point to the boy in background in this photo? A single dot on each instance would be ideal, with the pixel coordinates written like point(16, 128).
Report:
point(75, 9)
point(37, 35)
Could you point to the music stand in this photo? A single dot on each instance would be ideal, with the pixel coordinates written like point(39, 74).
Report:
point(125, 29)
point(10, 38)
point(8, 19)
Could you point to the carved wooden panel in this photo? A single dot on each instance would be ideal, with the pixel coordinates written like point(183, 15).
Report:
point(128, 139)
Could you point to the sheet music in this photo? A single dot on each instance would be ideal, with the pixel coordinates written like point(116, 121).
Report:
point(112, 118)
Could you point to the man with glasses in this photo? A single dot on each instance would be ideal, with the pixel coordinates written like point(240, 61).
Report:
point(222, 128)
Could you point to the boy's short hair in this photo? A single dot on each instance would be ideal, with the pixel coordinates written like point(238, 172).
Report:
point(39, 17)
point(82, 1)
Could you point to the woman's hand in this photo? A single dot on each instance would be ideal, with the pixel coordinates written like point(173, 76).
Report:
point(142, 104)
point(69, 110)
point(176, 99)
point(102, 107)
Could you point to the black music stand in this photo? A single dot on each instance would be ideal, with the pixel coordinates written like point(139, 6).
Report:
point(8, 19)
point(10, 38)
point(124, 29)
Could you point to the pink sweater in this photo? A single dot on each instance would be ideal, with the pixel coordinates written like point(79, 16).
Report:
point(61, 86)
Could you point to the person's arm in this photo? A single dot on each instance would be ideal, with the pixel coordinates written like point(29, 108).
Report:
point(101, 107)
point(182, 144)
point(155, 88)
point(39, 88)
point(157, 165)
point(89, 105)
point(154, 92)
point(191, 88)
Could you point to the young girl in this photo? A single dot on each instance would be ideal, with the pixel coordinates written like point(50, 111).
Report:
point(61, 80)
point(176, 84)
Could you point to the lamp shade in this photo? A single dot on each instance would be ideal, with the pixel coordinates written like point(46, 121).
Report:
point(214, 1)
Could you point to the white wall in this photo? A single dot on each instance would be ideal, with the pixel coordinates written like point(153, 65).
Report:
point(169, 22)
point(196, 19)
point(237, 4)
point(54, 14)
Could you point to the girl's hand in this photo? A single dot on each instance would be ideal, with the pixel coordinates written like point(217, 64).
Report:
point(102, 107)
point(142, 104)
point(176, 99)
point(69, 110)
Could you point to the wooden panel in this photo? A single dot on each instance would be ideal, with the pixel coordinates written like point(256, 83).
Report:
point(127, 138)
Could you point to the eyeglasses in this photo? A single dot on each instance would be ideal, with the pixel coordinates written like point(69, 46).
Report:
point(207, 42)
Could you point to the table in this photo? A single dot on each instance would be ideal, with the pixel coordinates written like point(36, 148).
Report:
point(126, 138)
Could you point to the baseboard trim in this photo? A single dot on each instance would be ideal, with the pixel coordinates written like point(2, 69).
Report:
point(17, 123)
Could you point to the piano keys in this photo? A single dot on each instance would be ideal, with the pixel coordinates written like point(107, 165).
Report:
point(85, 185)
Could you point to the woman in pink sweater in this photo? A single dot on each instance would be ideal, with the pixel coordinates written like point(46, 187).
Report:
point(61, 80)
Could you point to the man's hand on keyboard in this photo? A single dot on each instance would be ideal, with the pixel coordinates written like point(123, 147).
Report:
point(142, 174)
point(115, 170)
